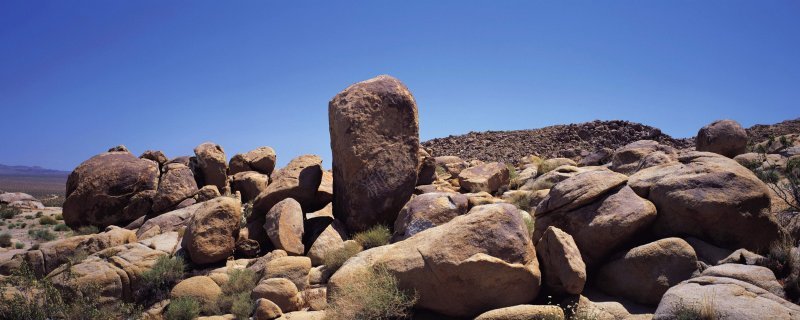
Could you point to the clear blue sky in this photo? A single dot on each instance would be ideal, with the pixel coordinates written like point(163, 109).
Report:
point(77, 77)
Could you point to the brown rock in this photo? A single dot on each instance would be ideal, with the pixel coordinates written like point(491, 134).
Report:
point(266, 310)
point(562, 266)
point(213, 164)
point(725, 137)
point(550, 164)
point(426, 211)
point(626, 159)
point(523, 312)
point(300, 180)
point(479, 261)
point(201, 288)
point(284, 226)
point(580, 190)
point(210, 236)
point(280, 291)
point(156, 156)
point(250, 184)
point(261, 160)
point(177, 184)
point(371, 187)
point(489, 177)
point(426, 172)
point(644, 273)
point(295, 269)
point(453, 165)
point(710, 197)
point(101, 189)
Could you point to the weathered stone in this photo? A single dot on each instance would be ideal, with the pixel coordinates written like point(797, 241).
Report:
point(280, 291)
point(155, 155)
point(101, 189)
point(201, 288)
point(212, 162)
point(725, 137)
point(644, 273)
point(284, 226)
point(706, 252)
point(551, 178)
point(177, 184)
point(489, 177)
point(261, 160)
point(710, 197)
point(626, 159)
point(295, 269)
point(601, 226)
point(426, 172)
point(755, 275)
point(299, 180)
point(580, 190)
point(250, 184)
point(426, 211)
point(374, 139)
point(451, 164)
point(562, 266)
point(523, 312)
point(210, 236)
point(479, 261)
point(266, 310)
point(550, 164)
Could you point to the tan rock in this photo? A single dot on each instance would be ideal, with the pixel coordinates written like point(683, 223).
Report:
point(489, 177)
point(266, 310)
point(261, 160)
point(523, 312)
point(371, 187)
point(725, 137)
point(213, 164)
point(476, 262)
point(550, 164)
point(645, 272)
point(295, 269)
point(284, 226)
point(299, 180)
point(201, 288)
point(177, 184)
point(210, 237)
point(426, 211)
point(562, 266)
point(280, 291)
point(250, 184)
point(626, 159)
point(580, 190)
point(710, 197)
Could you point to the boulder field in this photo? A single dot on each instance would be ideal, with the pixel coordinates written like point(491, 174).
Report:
point(653, 228)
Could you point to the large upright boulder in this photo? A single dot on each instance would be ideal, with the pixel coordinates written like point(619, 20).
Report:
point(725, 137)
point(110, 188)
point(375, 141)
point(711, 197)
point(562, 266)
point(213, 164)
point(284, 226)
point(210, 236)
point(479, 261)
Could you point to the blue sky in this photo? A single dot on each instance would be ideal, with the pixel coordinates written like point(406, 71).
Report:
point(77, 77)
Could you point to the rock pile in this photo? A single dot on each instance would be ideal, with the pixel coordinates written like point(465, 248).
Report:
point(645, 227)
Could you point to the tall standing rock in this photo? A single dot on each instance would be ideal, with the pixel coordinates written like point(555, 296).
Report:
point(375, 141)
point(212, 162)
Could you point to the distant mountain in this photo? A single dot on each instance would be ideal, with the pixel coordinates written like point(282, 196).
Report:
point(34, 171)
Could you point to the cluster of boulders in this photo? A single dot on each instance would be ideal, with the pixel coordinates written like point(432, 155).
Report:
point(644, 230)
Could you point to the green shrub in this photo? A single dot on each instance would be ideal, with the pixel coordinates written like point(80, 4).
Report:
point(522, 200)
point(42, 234)
point(61, 227)
point(336, 258)
point(376, 236)
point(513, 177)
point(5, 240)
point(704, 311)
point(28, 217)
point(35, 246)
point(84, 230)
point(165, 273)
point(375, 296)
point(59, 216)
point(235, 295)
point(19, 245)
point(57, 201)
point(183, 308)
point(47, 220)
point(39, 214)
point(8, 212)
point(23, 225)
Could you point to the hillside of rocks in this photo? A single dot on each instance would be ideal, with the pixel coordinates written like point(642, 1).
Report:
point(634, 225)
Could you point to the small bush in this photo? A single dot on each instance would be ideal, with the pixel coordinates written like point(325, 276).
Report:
point(35, 246)
point(39, 214)
point(8, 212)
point(59, 216)
point(23, 225)
point(183, 308)
point(42, 234)
point(57, 201)
point(19, 245)
point(705, 311)
point(157, 281)
point(521, 200)
point(513, 177)
point(235, 295)
point(28, 217)
point(5, 240)
point(376, 296)
point(84, 230)
point(47, 220)
point(376, 236)
point(336, 258)
point(61, 227)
